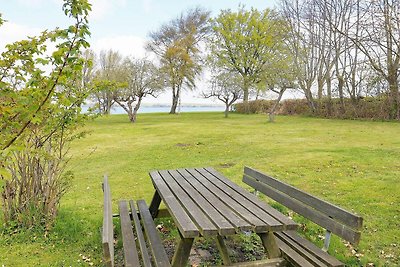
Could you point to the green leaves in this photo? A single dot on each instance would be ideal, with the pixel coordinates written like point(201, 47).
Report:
point(40, 104)
point(27, 90)
point(247, 41)
point(177, 45)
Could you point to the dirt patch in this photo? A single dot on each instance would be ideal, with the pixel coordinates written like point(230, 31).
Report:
point(182, 145)
point(204, 252)
point(227, 164)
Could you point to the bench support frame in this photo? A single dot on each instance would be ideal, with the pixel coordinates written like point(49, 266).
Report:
point(327, 240)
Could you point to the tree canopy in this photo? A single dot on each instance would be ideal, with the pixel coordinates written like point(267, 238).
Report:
point(143, 78)
point(245, 42)
point(177, 45)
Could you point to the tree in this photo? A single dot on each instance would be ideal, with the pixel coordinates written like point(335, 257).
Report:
point(88, 68)
point(279, 75)
point(226, 88)
point(301, 17)
point(143, 79)
point(177, 45)
point(108, 77)
point(244, 41)
point(378, 39)
point(336, 43)
point(39, 116)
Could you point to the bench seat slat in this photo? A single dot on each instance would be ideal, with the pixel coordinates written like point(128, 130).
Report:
point(128, 240)
point(159, 255)
point(140, 236)
point(300, 250)
point(292, 256)
point(310, 247)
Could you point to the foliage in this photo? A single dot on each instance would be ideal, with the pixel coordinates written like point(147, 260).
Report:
point(259, 106)
point(41, 98)
point(375, 108)
point(142, 78)
point(177, 45)
point(246, 42)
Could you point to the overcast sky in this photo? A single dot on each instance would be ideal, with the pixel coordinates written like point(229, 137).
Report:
point(121, 25)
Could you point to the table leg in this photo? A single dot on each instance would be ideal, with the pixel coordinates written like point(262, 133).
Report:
point(182, 252)
point(155, 204)
point(223, 250)
point(270, 245)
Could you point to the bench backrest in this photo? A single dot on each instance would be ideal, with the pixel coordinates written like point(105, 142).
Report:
point(107, 232)
point(330, 217)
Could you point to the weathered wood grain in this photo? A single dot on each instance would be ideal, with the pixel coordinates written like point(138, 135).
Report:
point(160, 257)
point(140, 236)
point(131, 257)
point(184, 223)
point(107, 231)
point(333, 211)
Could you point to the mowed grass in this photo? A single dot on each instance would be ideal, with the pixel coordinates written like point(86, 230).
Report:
point(353, 164)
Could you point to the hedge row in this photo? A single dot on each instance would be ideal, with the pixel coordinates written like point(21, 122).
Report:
point(377, 108)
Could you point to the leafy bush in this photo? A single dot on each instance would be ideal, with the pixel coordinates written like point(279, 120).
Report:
point(377, 108)
point(39, 117)
point(255, 106)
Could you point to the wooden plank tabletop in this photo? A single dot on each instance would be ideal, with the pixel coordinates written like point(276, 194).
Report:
point(203, 201)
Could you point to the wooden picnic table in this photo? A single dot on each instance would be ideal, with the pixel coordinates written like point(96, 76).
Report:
point(202, 202)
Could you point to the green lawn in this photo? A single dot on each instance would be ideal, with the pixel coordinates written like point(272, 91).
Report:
point(354, 164)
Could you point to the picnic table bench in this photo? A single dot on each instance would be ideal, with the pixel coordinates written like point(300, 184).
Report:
point(131, 223)
point(296, 249)
point(202, 202)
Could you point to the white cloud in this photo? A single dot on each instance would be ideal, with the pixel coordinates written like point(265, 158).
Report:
point(11, 32)
point(102, 8)
point(127, 45)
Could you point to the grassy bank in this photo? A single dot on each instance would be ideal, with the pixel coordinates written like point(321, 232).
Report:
point(354, 164)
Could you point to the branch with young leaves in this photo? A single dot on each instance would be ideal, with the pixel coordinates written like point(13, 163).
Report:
point(26, 89)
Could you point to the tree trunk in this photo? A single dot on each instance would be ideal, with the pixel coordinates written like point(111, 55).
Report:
point(320, 87)
point(174, 105)
point(135, 110)
point(226, 109)
point(329, 94)
point(109, 103)
point(340, 89)
point(394, 97)
point(320, 83)
point(175, 99)
point(246, 97)
point(271, 114)
point(309, 97)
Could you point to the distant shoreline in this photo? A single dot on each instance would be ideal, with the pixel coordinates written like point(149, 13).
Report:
point(166, 109)
point(183, 105)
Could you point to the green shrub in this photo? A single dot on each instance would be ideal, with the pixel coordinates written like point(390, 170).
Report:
point(375, 108)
